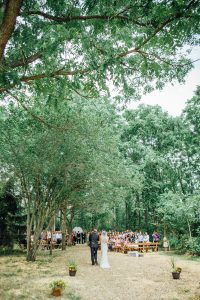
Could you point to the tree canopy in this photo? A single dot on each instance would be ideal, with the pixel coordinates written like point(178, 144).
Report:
point(86, 44)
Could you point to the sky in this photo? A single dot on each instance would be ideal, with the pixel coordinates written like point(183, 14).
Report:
point(173, 97)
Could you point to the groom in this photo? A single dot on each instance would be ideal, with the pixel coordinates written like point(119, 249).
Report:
point(94, 239)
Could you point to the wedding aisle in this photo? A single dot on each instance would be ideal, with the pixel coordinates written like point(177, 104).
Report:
point(143, 278)
point(135, 278)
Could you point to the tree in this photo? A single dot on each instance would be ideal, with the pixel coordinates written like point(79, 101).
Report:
point(62, 158)
point(83, 44)
point(147, 139)
point(165, 151)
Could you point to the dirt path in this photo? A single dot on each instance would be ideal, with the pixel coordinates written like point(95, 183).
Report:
point(130, 278)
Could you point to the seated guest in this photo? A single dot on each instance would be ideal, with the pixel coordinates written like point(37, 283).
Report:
point(132, 238)
point(140, 237)
point(54, 236)
point(117, 241)
point(126, 241)
point(156, 237)
point(146, 237)
point(58, 237)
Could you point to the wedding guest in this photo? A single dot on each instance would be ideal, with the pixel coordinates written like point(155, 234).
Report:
point(146, 237)
point(165, 243)
point(156, 237)
point(83, 237)
point(58, 237)
point(73, 239)
point(78, 237)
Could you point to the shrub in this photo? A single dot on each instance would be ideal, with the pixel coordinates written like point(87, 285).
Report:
point(194, 246)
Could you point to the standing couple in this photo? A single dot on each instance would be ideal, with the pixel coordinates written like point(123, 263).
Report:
point(94, 244)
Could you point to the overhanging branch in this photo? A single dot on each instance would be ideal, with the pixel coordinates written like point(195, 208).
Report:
point(66, 19)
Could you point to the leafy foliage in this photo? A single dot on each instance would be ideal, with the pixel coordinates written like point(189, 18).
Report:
point(82, 44)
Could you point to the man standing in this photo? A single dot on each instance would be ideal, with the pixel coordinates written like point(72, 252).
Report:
point(94, 239)
point(83, 237)
point(78, 237)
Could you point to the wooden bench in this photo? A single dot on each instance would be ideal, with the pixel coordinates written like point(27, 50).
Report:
point(140, 247)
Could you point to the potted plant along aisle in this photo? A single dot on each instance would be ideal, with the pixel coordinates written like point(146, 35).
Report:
point(72, 268)
point(57, 286)
point(176, 271)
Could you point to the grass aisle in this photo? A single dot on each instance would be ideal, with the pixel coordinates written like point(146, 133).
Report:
point(130, 278)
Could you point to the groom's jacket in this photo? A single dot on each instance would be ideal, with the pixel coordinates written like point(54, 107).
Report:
point(93, 239)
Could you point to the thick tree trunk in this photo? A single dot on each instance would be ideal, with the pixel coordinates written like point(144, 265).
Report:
point(31, 254)
point(33, 246)
point(9, 20)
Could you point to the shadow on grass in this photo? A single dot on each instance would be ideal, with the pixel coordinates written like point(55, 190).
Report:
point(73, 296)
point(181, 254)
point(11, 252)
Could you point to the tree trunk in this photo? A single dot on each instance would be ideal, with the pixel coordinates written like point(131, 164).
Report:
point(69, 242)
point(146, 219)
point(139, 213)
point(33, 246)
point(31, 254)
point(70, 221)
point(63, 224)
point(126, 215)
point(51, 243)
point(189, 229)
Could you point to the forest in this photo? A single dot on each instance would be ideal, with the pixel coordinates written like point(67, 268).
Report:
point(72, 154)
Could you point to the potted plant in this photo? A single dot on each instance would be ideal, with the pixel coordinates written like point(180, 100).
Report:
point(176, 271)
point(57, 286)
point(72, 268)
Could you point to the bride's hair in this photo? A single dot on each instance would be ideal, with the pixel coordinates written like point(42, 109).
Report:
point(104, 233)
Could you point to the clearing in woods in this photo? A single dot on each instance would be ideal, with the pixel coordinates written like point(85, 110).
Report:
point(131, 278)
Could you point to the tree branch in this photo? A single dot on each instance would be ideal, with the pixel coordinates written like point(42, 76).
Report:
point(9, 20)
point(38, 118)
point(158, 29)
point(84, 18)
point(62, 72)
point(74, 18)
point(25, 61)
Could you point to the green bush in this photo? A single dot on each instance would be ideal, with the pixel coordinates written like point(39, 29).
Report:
point(194, 246)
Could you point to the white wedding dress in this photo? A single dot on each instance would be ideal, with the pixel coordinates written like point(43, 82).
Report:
point(104, 252)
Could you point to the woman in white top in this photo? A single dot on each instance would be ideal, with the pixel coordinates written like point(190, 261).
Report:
point(104, 251)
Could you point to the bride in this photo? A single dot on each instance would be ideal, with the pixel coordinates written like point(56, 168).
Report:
point(104, 251)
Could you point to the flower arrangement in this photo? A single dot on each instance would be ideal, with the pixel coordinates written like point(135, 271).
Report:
point(72, 265)
point(175, 268)
point(58, 284)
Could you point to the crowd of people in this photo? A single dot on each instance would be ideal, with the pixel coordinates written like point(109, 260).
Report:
point(120, 242)
point(77, 237)
point(115, 237)
point(128, 237)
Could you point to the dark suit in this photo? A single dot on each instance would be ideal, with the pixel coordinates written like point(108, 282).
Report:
point(93, 239)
